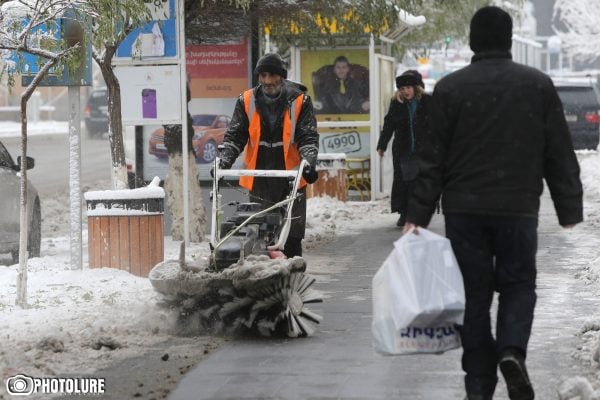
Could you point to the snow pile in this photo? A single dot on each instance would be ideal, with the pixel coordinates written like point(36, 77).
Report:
point(326, 216)
point(70, 311)
point(590, 176)
point(588, 351)
point(577, 388)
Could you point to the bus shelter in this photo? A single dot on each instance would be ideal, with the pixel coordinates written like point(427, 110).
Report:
point(351, 88)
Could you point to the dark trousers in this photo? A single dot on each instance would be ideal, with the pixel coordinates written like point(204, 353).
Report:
point(495, 253)
point(401, 191)
point(270, 191)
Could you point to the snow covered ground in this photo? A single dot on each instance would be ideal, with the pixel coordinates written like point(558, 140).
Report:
point(11, 128)
point(75, 317)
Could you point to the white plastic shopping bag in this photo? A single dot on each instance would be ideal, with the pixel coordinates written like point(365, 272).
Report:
point(418, 297)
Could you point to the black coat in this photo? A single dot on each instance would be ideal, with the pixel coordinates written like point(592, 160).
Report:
point(397, 124)
point(498, 130)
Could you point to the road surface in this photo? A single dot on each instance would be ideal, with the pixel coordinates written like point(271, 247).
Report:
point(51, 153)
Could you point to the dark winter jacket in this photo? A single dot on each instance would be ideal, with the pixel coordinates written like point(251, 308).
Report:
point(305, 135)
point(498, 130)
point(397, 123)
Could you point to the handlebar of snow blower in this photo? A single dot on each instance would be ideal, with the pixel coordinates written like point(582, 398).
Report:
point(219, 173)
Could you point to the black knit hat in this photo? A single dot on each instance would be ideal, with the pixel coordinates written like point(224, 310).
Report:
point(491, 29)
point(409, 78)
point(272, 63)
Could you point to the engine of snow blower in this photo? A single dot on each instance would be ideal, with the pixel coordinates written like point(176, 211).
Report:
point(253, 238)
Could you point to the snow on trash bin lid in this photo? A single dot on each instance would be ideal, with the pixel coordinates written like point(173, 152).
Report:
point(145, 200)
point(331, 161)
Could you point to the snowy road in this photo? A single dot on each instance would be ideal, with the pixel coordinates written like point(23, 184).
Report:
point(51, 154)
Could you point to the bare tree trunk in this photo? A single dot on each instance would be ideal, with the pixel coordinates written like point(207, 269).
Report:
point(115, 127)
point(23, 254)
point(23, 217)
point(174, 193)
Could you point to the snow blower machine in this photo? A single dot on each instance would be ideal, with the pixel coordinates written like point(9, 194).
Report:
point(246, 283)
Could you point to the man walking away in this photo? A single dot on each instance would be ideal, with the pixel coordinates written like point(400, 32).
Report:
point(498, 130)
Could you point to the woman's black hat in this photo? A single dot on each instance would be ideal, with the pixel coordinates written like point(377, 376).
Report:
point(409, 78)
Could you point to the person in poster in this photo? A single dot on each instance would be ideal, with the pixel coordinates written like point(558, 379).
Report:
point(341, 88)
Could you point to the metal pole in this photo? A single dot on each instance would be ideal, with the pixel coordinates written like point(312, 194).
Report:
point(75, 176)
point(374, 117)
point(184, 123)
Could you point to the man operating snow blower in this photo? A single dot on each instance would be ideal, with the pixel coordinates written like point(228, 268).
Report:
point(275, 123)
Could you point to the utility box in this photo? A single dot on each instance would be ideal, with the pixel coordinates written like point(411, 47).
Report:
point(331, 168)
point(126, 228)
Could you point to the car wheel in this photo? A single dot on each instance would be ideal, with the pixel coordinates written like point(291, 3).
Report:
point(210, 151)
point(34, 239)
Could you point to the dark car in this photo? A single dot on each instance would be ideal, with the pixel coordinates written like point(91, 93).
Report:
point(96, 112)
point(10, 196)
point(581, 104)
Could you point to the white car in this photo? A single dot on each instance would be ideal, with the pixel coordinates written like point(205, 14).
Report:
point(10, 184)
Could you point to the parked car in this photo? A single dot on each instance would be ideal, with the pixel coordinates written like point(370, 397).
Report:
point(10, 196)
point(95, 113)
point(207, 137)
point(209, 131)
point(581, 103)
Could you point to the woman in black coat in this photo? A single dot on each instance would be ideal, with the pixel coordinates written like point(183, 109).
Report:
point(408, 121)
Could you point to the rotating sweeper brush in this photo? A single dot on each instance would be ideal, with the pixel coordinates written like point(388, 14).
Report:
point(247, 284)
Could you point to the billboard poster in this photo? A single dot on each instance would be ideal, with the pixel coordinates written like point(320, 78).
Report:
point(338, 83)
point(147, 95)
point(217, 75)
point(154, 39)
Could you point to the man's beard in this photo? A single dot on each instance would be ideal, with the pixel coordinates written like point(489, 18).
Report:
point(272, 90)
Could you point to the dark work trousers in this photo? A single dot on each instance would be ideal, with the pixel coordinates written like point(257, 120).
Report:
point(495, 253)
point(268, 191)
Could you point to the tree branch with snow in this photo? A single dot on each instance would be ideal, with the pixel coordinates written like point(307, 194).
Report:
point(576, 23)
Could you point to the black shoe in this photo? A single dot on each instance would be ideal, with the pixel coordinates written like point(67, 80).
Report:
point(512, 365)
point(478, 397)
point(401, 221)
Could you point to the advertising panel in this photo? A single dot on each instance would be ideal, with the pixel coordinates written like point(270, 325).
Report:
point(338, 83)
point(147, 95)
point(217, 75)
point(156, 38)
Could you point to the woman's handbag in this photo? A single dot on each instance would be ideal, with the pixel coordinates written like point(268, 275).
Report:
point(418, 297)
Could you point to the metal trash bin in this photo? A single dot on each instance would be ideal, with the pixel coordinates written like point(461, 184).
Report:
point(331, 168)
point(126, 228)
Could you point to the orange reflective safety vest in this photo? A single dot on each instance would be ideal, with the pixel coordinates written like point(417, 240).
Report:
point(290, 148)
